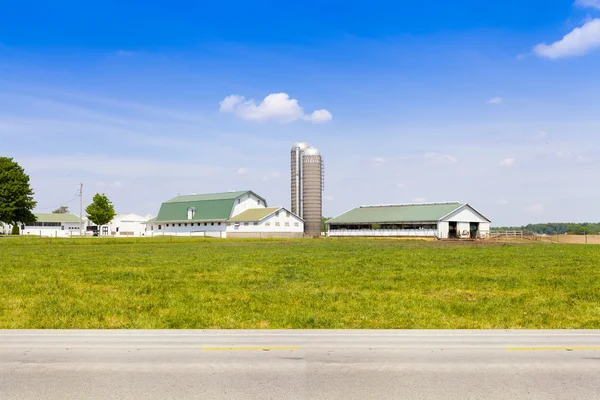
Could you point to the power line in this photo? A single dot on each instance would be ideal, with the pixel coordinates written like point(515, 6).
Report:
point(62, 204)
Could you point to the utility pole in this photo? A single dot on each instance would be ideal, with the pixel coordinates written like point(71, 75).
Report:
point(81, 209)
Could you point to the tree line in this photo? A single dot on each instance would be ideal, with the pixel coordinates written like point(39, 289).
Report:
point(556, 228)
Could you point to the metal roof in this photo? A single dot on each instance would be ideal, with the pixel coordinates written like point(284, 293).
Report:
point(211, 196)
point(52, 217)
point(430, 212)
point(254, 214)
point(208, 207)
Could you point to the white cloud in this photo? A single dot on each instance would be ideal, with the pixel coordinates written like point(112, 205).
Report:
point(401, 186)
point(328, 198)
point(380, 160)
point(242, 171)
point(125, 53)
point(588, 3)
point(418, 199)
point(578, 42)
point(539, 135)
point(441, 158)
point(502, 202)
point(319, 116)
point(567, 155)
point(279, 107)
point(536, 208)
point(507, 162)
point(495, 100)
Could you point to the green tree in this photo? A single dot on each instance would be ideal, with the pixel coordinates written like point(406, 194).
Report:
point(15, 230)
point(16, 196)
point(323, 225)
point(61, 210)
point(101, 211)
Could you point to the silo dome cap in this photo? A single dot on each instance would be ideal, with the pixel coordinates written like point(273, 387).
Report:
point(312, 151)
point(300, 145)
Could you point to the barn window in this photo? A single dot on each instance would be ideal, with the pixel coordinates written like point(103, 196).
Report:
point(160, 227)
point(191, 212)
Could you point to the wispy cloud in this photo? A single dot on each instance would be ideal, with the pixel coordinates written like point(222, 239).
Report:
point(495, 100)
point(278, 107)
point(125, 53)
point(507, 162)
point(588, 3)
point(270, 176)
point(441, 158)
point(578, 42)
point(242, 171)
point(502, 202)
point(539, 135)
point(536, 208)
point(127, 167)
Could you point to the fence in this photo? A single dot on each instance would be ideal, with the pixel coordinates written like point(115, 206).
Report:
point(514, 234)
point(568, 239)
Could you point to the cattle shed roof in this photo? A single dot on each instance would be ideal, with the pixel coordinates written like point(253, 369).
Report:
point(429, 212)
point(53, 217)
point(254, 214)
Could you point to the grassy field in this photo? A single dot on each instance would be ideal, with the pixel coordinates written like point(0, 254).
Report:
point(328, 283)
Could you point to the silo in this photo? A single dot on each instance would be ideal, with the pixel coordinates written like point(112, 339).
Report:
point(312, 191)
point(296, 162)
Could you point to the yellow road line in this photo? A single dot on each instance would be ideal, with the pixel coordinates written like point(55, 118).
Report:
point(573, 348)
point(253, 348)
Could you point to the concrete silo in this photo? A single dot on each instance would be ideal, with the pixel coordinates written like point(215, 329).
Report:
point(307, 186)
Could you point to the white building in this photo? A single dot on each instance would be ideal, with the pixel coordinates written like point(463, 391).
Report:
point(265, 222)
point(53, 225)
point(127, 225)
point(440, 220)
point(229, 214)
point(5, 229)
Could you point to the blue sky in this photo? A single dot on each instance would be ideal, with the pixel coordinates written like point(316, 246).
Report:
point(491, 103)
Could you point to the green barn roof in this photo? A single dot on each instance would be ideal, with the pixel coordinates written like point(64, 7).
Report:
point(52, 217)
point(396, 213)
point(208, 207)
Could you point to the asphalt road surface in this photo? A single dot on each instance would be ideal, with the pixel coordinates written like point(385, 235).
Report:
point(299, 365)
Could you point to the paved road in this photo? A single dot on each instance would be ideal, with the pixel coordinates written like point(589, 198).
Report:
point(299, 365)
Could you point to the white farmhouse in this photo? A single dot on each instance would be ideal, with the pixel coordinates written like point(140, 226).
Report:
point(53, 225)
point(441, 220)
point(229, 214)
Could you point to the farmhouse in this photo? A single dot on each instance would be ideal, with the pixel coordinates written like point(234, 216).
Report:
point(53, 225)
point(229, 214)
point(440, 220)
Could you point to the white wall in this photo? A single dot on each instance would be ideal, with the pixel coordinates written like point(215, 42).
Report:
point(128, 225)
point(186, 228)
point(384, 232)
point(443, 228)
point(246, 202)
point(464, 214)
point(52, 231)
point(284, 222)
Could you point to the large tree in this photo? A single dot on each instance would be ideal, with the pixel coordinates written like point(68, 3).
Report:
point(101, 211)
point(61, 210)
point(16, 196)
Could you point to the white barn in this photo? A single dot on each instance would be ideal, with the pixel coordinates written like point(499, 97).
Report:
point(440, 220)
point(53, 225)
point(228, 214)
point(126, 225)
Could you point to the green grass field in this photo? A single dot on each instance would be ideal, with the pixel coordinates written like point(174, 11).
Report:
point(327, 283)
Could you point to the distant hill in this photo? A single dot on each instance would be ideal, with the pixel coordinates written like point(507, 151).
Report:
point(587, 228)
